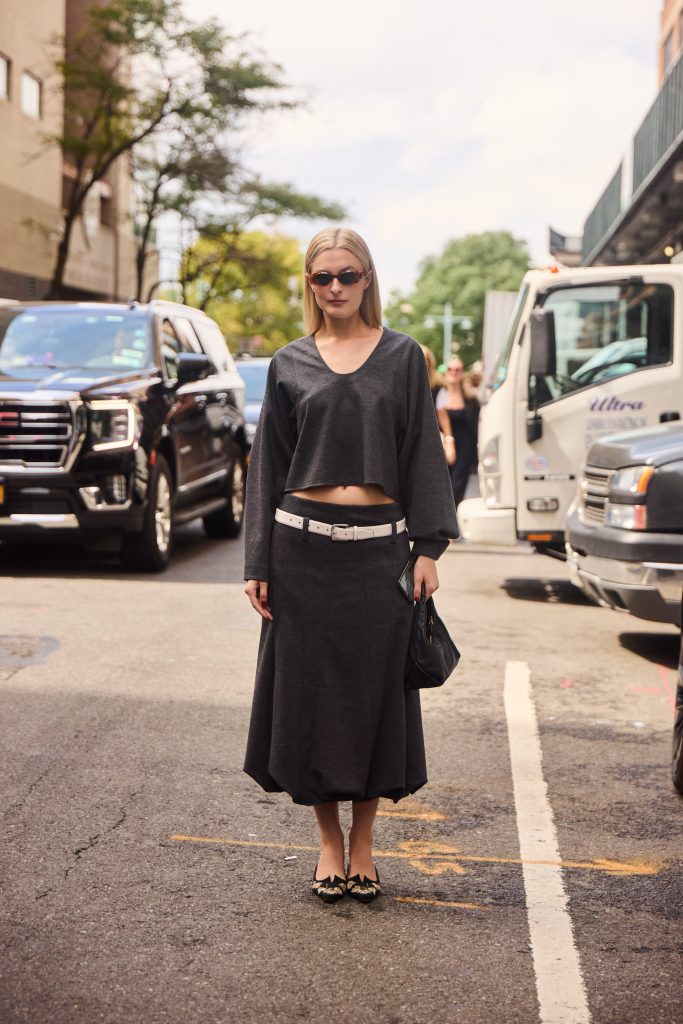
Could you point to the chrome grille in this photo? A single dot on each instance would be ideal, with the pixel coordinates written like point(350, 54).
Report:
point(594, 489)
point(35, 433)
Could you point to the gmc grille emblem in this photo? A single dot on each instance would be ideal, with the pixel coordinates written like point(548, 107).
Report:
point(9, 419)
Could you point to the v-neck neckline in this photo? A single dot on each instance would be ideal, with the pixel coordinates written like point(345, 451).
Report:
point(350, 373)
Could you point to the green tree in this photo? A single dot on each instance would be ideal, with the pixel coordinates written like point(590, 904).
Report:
point(250, 282)
point(461, 274)
point(218, 235)
point(141, 79)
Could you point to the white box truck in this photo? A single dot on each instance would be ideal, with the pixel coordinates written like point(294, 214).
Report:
point(588, 352)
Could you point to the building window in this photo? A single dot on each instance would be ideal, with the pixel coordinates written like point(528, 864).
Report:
point(4, 77)
point(31, 95)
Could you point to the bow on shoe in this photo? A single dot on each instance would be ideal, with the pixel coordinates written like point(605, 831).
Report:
point(329, 889)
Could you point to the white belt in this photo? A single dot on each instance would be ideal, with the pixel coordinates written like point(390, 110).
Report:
point(340, 531)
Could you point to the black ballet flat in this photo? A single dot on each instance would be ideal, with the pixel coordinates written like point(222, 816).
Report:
point(364, 889)
point(329, 889)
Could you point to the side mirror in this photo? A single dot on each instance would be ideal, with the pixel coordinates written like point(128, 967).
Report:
point(534, 428)
point(543, 358)
point(193, 366)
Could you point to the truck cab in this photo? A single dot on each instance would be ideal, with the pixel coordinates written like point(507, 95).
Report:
point(589, 352)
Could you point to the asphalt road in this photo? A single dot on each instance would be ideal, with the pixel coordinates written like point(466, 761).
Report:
point(146, 879)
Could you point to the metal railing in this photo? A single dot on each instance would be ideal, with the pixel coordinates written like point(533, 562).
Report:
point(662, 126)
point(660, 130)
point(603, 215)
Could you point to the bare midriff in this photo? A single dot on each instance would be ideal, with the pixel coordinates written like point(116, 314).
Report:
point(364, 494)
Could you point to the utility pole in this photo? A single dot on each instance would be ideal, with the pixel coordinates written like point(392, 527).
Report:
point(448, 319)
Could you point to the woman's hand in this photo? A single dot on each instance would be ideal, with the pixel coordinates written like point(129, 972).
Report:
point(449, 448)
point(425, 571)
point(257, 592)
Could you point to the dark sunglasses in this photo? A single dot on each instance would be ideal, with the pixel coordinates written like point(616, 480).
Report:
point(324, 277)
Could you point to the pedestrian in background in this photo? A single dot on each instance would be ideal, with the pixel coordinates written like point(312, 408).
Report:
point(458, 414)
point(436, 381)
point(474, 379)
point(347, 435)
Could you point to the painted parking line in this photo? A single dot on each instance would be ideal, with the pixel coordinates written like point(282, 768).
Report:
point(559, 981)
point(419, 851)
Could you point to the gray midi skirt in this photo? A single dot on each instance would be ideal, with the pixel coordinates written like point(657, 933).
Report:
point(331, 719)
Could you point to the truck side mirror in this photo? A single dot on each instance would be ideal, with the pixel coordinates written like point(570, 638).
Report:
point(193, 366)
point(543, 357)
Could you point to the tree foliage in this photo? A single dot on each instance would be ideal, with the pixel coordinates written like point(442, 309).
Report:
point(250, 282)
point(142, 81)
point(461, 274)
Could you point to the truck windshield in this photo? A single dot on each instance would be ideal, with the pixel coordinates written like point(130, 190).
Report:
point(500, 372)
point(51, 338)
point(604, 331)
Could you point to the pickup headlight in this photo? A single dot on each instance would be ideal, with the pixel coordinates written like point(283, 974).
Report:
point(626, 517)
point(490, 472)
point(632, 482)
point(112, 423)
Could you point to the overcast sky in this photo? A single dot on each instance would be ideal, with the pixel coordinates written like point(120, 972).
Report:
point(428, 123)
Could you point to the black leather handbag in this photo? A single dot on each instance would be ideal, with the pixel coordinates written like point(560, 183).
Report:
point(432, 655)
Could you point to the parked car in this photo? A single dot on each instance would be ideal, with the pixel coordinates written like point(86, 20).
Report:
point(625, 529)
point(254, 373)
point(122, 420)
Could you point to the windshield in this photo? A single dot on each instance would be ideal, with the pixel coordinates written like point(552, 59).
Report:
point(37, 339)
point(500, 372)
point(254, 376)
point(606, 331)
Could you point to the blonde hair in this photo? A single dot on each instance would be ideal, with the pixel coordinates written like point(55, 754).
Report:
point(341, 238)
point(435, 378)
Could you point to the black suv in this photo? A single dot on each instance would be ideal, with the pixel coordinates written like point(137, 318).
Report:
point(118, 419)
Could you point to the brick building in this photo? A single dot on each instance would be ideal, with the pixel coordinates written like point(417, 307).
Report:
point(33, 174)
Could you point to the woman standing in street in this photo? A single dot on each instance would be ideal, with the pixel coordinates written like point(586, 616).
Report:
point(458, 415)
point(346, 466)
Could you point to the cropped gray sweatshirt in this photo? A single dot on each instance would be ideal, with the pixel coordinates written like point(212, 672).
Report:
point(376, 425)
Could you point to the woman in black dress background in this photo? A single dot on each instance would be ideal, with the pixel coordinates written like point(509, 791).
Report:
point(347, 449)
point(458, 414)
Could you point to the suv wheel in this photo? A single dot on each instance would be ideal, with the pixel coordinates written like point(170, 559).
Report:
point(150, 549)
point(227, 521)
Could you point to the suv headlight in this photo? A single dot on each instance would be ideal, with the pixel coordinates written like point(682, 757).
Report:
point(112, 423)
point(633, 483)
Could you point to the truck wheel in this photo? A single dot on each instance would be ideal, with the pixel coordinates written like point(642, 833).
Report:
point(677, 758)
point(227, 521)
point(150, 549)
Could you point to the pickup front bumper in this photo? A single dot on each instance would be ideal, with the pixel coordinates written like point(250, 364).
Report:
point(626, 571)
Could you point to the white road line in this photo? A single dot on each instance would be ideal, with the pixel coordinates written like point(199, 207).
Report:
point(559, 982)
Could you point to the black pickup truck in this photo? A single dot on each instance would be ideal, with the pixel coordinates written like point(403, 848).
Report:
point(118, 420)
point(625, 529)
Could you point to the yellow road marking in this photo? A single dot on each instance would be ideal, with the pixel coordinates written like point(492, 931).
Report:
point(423, 816)
point(440, 903)
point(418, 851)
point(412, 810)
